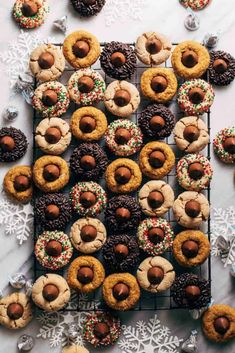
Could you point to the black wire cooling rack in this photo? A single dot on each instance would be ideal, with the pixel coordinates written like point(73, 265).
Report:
point(148, 301)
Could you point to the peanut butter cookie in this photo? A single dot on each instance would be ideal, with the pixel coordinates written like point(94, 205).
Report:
point(18, 183)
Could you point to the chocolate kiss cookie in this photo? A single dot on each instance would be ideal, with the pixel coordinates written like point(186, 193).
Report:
point(88, 8)
point(221, 68)
point(13, 144)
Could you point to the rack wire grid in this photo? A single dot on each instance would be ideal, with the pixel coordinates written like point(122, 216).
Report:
point(148, 301)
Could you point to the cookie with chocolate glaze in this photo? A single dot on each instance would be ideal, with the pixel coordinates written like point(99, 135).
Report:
point(13, 144)
point(88, 8)
point(221, 68)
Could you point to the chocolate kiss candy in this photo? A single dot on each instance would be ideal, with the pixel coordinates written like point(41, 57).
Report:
point(156, 235)
point(49, 98)
point(87, 199)
point(53, 135)
point(21, 183)
point(190, 248)
point(122, 214)
point(121, 291)
point(122, 97)
point(87, 124)
point(15, 311)
point(221, 325)
point(155, 275)
point(85, 84)
point(46, 60)
point(122, 136)
point(101, 330)
point(196, 95)
point(25, 343)
point(89, 2)
point(157, 159)
point(118, 59)
point(85, 275)
point(155, 199)
point(192, 208)
point(159, 84)
point(156, 123)
point(54, 248)
point(229, 145)
point(220, 66)
point(196, 170)
point(153, 45)
point(51, 172)
point(7, 143)
point(81, 49)
point(122, 175)
point(121, 251)
point(88, 233)
point(192, 292)
point(88, 162)
point(50, 292)
point(191, 133)
point(52, 212)
point(189, 58)
point(29, 8)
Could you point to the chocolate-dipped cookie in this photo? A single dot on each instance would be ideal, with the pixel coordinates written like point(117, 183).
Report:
point(221, 68)
point(87, 8)
point(13, 144)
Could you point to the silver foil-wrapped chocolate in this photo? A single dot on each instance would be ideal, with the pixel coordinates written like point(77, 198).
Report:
point(17, 281)
point(25, 343)
point(25, 86)
point(190, 344)
point(28, 287)
point(62, 24)
point(223, 244)
point(191, 22)
point(10, 113)
point(197, 313)
point(211, 40)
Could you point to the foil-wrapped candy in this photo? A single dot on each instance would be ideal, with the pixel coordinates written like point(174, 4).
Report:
point(10, 113)
point(223, 246)
point(190, 344)
point(28, 287)
point(17, 281)
point(191, 22)
point(25, 343)
point(62, 24)
point(197, 313)
point(25, 86)
point(211, 40)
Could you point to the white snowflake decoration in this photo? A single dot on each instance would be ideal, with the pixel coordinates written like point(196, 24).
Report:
point(223, 224)
point(16, 219)
point(148, 337)
point(55, 325)
point(16, 58)
point(123, 10)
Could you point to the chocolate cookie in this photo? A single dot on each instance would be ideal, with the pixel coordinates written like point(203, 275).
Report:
point(118, 60)
point(101, 329)
point(156, 121)
point(13, 144)
point(88, 198)
point(88, 235)
point(155, 274)
point(81, 49)
point(30, 14)
point(156, 160)
point(121, 291)
point(88, 8)
point(47, 62)
point(156, 197)
point(190, 291)
point(15, 311)
point(191, 134)
point(85, 274)
point(153, 48)
point(121, 98)
point(195, 97)
point(190, 59)
point(51, 292)
point(53, 211)
point(159, 84)
point(224, 145)
point(121, 253)
point(221, 68)
point(191, 209)
point(88, 162)
point(155, 236)
point(218, 323)
point(18, 183)
point(191, 248)
point(194, 172)
point(123, 175)
point(122, 214)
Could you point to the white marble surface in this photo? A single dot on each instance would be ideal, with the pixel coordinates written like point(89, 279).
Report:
point(160, 15)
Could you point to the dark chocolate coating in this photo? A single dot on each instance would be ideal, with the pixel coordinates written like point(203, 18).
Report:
point(15, 311)
point(50, 292)
point(81, 49)
point(190, 248)
point(155, 275)
point(29, 8)
point(159, 84)
point(85, 275)
point(101, 330)
point(156, 235)
point(196, 95)
point(54, 248)
point(225, 78)
point(46, 60)
point(196, 170)
point(22, 183)
point(221, 325)
point(121, 291)
point(87, 199)
point(189, 58)
point(20, 147)
point(87, 10)
point(153, 45)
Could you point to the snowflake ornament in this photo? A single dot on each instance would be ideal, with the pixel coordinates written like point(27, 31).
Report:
point(124, 10)
point(148, 337)
point(223, 234)
point(16, 219)
point(16, 58)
